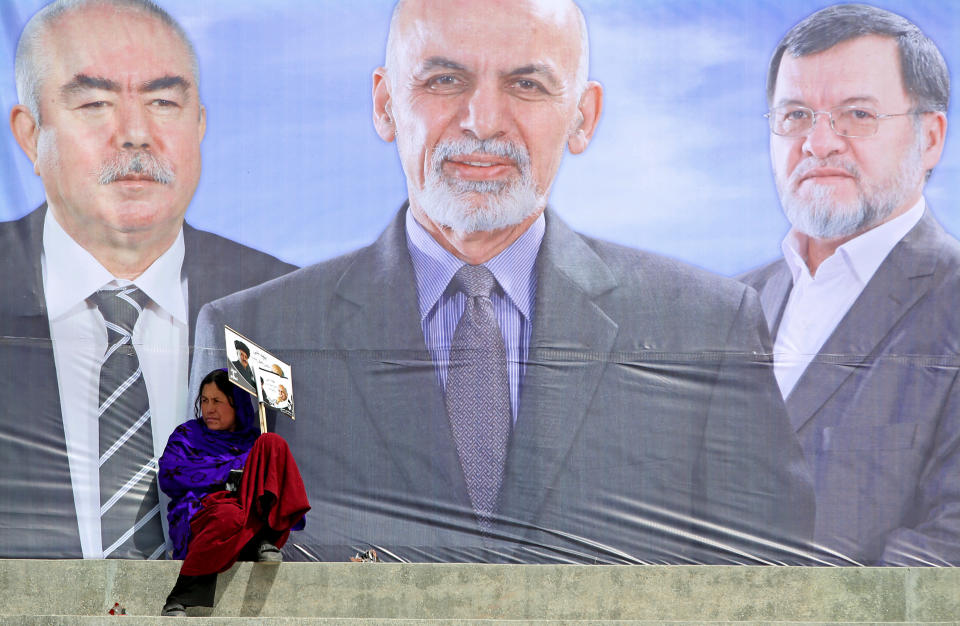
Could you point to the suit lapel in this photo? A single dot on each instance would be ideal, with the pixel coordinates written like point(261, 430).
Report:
point(773, 297)
point(380, 332)
point(192, 264)
point(194, 284)
point(567, 326)
point(903, 277)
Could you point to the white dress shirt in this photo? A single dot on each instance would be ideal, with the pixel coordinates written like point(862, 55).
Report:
point(160, 337)
point(818, 303)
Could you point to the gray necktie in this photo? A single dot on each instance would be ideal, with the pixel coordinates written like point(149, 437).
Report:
point(129, 507)
point(478, 392)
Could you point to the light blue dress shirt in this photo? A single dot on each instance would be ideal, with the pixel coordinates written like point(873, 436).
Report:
point(441, 304)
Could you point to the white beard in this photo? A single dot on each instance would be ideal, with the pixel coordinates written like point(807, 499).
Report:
point(818, 215)
point(476, 206)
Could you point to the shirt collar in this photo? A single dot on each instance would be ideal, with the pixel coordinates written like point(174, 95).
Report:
point(72, 274)
point(863, 254)
point(434, 266)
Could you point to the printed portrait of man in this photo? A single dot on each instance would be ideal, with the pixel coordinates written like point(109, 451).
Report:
point(242, 364)
point(863, 303)
point(483, 383)
point(102, 283)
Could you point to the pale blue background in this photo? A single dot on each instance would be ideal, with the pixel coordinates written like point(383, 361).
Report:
point(679, 164)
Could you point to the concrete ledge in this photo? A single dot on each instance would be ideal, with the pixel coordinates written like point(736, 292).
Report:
point(50, 590)
point(78, 620)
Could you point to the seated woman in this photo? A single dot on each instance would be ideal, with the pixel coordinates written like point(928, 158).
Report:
point(212, 528)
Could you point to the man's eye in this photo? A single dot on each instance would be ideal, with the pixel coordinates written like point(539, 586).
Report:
point(796, 115)
point(859, 114)
point(99, 104)
point(444, 80)
point(160, 102)
point(528, 85)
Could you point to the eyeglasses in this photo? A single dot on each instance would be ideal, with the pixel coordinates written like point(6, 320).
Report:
point(846, 121)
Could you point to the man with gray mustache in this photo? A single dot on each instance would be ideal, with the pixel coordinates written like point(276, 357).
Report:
point(863, 306)
point(144, 164)
point(484, 384)
point(509, 200)
point(102, 284)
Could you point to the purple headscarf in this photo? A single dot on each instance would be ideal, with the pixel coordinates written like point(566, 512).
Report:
point(197, 460)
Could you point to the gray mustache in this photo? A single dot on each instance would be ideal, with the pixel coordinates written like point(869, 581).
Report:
point(493, 147)
point(833, 162)
point(139, 163)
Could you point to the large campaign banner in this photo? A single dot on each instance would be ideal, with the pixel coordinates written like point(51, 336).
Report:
point(655, 368)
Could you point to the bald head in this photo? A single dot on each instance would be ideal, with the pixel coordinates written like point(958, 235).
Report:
point(410, 18)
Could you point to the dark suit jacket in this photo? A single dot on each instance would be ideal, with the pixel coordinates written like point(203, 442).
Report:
point(878, 409)
point(37, 513)
point(645, 412)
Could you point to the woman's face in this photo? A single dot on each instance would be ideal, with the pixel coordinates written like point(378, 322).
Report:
point(216, 410)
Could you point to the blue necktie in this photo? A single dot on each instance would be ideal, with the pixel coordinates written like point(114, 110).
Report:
point(478, 393)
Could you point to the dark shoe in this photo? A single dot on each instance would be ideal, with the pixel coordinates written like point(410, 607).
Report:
point(173, 609)
point(268, 553)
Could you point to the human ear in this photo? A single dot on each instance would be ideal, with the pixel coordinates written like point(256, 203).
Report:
point(203, 123)
point(383, 120)
point(26, 131)
point(589, 109)
point(934, 131)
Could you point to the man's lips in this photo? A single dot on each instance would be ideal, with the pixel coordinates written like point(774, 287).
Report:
point(825, 174)
point(480, 166)
point(136, 178)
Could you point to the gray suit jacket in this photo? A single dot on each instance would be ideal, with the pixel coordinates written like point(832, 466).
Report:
point(646, 414)
point(37, 513)
point(878, 409)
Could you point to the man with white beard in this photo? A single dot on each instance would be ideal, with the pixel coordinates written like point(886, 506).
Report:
point(863, 306)
point(484, 384)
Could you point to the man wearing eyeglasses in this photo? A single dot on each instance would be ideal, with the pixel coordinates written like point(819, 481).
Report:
point(863, 306)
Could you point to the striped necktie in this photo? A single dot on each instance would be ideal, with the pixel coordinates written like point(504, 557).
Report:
point(478, 393)
point(130, 525)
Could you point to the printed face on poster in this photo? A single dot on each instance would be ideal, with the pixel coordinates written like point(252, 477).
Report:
point(258, 372)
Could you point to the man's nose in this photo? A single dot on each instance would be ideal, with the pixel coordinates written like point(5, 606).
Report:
point(822, 140)
point(486, 112)
point(133, 126)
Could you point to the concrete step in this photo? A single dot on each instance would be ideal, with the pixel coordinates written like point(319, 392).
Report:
point(81, 592)
point(77, 620)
